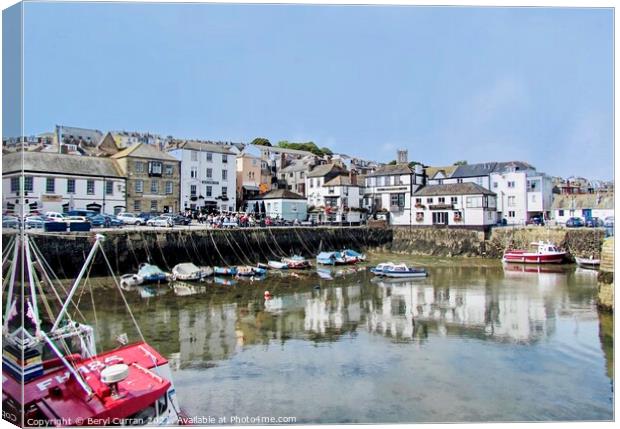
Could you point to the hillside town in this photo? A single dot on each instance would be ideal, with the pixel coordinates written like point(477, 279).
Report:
point(120, 172)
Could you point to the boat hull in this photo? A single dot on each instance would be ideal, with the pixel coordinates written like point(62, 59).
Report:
point(405, 275)
point(534, 258)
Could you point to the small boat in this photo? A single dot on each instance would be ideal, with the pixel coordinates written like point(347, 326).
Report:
point(130, 280)
point(259, 271)
point(328, 258)
point(297, 262)
point(188, 272)
point(378, 270)
point(250, 271)
point(225, 271)
point(152, 274)
point(588, 262)
point(540, 252)
point(277, 265)
point(261, 265)
point(402, 271)
point(352, 257)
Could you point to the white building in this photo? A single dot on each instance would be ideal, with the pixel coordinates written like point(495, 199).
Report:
point(522, 192)
point(282, 204)
point(456, 204)
point(208, 176)
point(59, 182)
point(584, 206)
point(334, 195)
point(389, 191)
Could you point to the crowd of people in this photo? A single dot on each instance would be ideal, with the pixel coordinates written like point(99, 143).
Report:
point(233, 219)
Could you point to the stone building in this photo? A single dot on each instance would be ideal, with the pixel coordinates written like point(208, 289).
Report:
point(153, 179)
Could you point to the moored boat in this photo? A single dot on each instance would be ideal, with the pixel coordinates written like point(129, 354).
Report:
point(402, 271)
point(378, 270)
point(296, 262)
point(352, 257)
point(52, 371)
point(248, 271)
point(190, 272)
point(152, 274)
point(129, 280)
point(225, 271)
point(588, 262)
point(328, 258)
point(540, 252)
point(277, 265)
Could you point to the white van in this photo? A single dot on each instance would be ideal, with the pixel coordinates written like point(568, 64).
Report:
point(54, 216)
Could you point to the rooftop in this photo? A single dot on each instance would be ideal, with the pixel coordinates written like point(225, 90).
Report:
point(280, 194)
point(388, 170)
point(143, 150)
point(323, 170)
point(75, 165)
point(201, 146)
point(467, 188)
point(342, 180)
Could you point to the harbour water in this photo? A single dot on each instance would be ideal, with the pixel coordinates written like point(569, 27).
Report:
point(475, 341)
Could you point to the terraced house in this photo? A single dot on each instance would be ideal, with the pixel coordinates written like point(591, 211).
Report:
point(153, 179)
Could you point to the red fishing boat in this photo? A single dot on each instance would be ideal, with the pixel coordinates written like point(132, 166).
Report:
point(540, 252)
point(52, 359)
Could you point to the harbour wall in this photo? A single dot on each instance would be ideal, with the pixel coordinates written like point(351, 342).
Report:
point(606, 276)
point(126, 249)
point(582, 242)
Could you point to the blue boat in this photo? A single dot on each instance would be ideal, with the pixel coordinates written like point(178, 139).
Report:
point(402, 271)
point(225, 271)
point(152, 274)
point(378, 270)
point(328, 258)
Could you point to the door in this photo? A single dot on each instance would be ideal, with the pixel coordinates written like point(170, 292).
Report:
point(440, 218)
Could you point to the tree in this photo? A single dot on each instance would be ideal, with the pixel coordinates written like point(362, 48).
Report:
point(392, 162)
point(307, 146)
point(261, 141)
point(463, 162)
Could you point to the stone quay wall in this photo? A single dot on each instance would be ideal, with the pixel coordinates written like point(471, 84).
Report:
point(606, 276)
point(126, 249)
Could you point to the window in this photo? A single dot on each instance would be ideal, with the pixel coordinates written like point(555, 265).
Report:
point(473, 202)
point(511, 184)
point(224, 192)
point(511, 201)
point(209, 156)
point(169, 168)
point(301, 175)
point(168, 187)
point(511, 214)
point(137, 206)
point(109, 187)
point(70, 186)
point(418, 201)
point(90, 187)
point(429, 200)
point(139, 165)
point(330, 190)
point(155, 168)
point(153, 205)
point(290, 174)
point(560, 212)
point(225, 158)
point(209, 191)
point(459, 180)
point(50, 185)
point(192, 190)
point(441, 200)
point(194, 155)
point(28, 184)
point(224, 174)
point(397, 200)
point(494, 184)
point(14, 184)
point(194, 171)
point(209, 173)
point(154, 186)
point(139, 186)
point(454, 200)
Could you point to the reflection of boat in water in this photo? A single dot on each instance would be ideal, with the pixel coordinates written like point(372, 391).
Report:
point(324, 274)
point(541, 252)
point(224, 281)
point(151, 291)
point(190, 272)
point(51, 369)
point(186, 289)
point(533, 268)
point(589, 263)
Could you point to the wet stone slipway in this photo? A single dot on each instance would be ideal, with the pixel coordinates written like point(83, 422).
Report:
point(472, 342)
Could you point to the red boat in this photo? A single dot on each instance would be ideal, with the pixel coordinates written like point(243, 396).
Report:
point(52, 374)
point(540, 252)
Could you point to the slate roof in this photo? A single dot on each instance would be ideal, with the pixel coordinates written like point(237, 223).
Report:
point(486, 168)
point(583, 201)
point(452, 189)
point(387, 170)
point(322, 170)
point(144, 150)
point(280, 194)
point(343, 180)
point(45, 162)
point(431, 171)
point(202, 147)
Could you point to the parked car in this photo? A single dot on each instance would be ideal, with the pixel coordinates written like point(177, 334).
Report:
point(70, 219)
point(160, 221)
point(100, 221)
point(10, 222)
point(594, 222)
point(34, 222)
point(535, 220)
point(114, 221)
point(574, 222)
point(130, 219)
point(146, 216)
point(178, 219)
point(84, 213)
point(54, 216)
point(609, 222)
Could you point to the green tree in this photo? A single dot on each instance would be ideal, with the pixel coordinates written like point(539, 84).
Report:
point(307, 146)
point(463, 162)
point(261, 141)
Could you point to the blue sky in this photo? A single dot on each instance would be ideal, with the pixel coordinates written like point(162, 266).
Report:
point(479, 84)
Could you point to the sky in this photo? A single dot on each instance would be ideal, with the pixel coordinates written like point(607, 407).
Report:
point(448, 84)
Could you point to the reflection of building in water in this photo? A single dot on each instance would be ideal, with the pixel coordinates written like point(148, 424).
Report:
point(207, 334)
point(332, 309)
